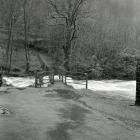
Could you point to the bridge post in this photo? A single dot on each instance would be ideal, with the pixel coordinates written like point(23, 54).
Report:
point(51, 77)
point(137, 102)
point(1, 80)
point(35, 79)
point(86, 80)
point(62, 75)
point(1, 75)
point(65, 80)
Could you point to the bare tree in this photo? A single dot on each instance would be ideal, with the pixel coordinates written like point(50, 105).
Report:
point(67, 11)
point(9, 8)
point(10, 27)
point(26, 35)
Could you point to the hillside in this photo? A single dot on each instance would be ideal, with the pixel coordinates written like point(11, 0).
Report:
point(18, 58)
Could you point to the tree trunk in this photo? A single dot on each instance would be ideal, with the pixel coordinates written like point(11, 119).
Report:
point(10, 58)
point(8, 44)
point(26, 40)
point(137, 102)
point(67, 58)
point(67, 52)
point(67, 47)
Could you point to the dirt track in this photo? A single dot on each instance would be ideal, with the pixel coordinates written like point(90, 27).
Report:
point(61, 113)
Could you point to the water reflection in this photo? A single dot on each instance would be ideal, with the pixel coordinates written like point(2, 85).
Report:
point(74, 117)
point(68, 94)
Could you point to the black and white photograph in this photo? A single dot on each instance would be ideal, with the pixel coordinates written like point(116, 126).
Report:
point(69, 69)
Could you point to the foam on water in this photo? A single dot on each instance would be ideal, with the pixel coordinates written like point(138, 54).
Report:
point(112, 87)
point(120, 88)
point(19, 81)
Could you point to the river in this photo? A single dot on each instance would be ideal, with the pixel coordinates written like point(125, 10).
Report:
point(111, 87)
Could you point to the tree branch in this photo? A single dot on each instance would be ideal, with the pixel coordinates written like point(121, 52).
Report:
point(54, 6)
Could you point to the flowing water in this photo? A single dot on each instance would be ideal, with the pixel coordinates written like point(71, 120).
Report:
point(111, 87)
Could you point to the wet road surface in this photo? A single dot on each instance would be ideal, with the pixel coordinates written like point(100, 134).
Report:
point(65, 114)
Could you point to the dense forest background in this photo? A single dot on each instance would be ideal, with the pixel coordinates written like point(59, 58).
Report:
point(105, 36)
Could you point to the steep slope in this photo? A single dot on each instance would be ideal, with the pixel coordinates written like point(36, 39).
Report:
point(18, 59)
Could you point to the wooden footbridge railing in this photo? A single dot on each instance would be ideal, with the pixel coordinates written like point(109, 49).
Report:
point(42, 78)
point(67, 78)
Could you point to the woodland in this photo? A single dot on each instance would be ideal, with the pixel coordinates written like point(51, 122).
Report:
point(98, 37)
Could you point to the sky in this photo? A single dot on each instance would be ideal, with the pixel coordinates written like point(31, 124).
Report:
point(128, 10)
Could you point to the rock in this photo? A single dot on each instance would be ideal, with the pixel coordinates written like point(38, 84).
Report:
point(4, 111)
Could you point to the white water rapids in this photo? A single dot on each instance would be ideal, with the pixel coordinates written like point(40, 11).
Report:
point(120, 88)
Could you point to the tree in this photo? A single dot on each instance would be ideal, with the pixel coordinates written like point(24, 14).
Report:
point(137, 34)
point(67, 11)
point(137, 102)
point(26, 35)
point(10, 10)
